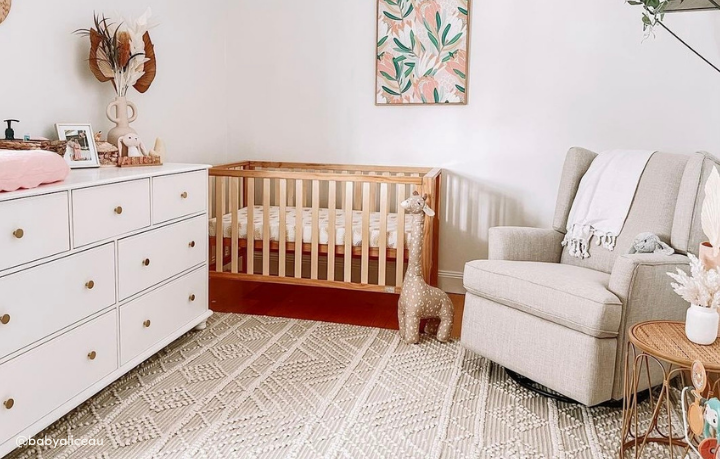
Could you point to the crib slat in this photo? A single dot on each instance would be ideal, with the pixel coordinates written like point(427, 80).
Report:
point(382, 243)
point(250, 225)
point(281, 231)
point(266, 227)
point(219, 224)
point(348, 230)
point(298, 227)
point(332, 195)
point(358, 193)
point(365, 265)
point(234, 236)
point(373, 194)
point(291, 193)
point(315, 228)
point(400, 246)
point(276, 201)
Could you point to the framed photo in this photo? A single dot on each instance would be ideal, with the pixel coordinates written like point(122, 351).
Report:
point(81, 150)
point(422, 52)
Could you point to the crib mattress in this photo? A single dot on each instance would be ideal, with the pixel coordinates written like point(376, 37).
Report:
point(290, 225)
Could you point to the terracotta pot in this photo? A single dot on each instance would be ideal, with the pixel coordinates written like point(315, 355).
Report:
point(705, 254)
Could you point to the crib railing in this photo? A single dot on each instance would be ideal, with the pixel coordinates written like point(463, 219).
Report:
point(370, 190)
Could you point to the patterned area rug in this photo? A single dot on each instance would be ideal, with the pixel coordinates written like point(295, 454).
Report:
point(264, 387)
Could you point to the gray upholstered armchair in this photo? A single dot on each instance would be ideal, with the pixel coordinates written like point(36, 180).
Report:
point(561, 321)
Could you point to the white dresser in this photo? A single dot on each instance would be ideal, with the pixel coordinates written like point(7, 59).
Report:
point(97, 273)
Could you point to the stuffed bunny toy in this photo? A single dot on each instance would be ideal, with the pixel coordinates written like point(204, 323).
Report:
point(650, 243)
point(133, 144)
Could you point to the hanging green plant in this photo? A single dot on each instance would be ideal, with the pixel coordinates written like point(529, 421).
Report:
point(654, 14)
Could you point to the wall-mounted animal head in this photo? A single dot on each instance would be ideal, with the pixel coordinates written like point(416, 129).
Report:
point(416, 204)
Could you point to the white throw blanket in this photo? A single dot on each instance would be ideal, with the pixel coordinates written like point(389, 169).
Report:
point(603, 200)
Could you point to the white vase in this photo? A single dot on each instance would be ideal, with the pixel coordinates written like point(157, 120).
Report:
point(701, 324)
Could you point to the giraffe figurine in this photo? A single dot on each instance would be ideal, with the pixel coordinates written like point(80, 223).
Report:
point(418, 300)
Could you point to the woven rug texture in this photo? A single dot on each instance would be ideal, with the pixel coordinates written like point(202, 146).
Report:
point(266, 387)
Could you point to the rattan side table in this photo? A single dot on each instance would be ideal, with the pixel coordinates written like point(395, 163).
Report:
point(663, 347)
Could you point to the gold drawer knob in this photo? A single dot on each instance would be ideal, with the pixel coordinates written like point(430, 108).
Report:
point(146, 324)
point(191, 244)
point(184, 195)
point(92, 355)
point(19, 233)
point(90, 285)
point(5, 319)
point(119, 210)
point(192, 297)
point(146, 262)
point(9, 403)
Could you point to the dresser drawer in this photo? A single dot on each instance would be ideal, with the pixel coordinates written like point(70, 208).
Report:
point(33, 228)
point(41, 300)
point(152, 257)
point(34, 384)
point(178, 195)
point(153, 317)
point(106, 211)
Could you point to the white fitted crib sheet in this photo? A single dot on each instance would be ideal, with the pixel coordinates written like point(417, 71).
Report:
point(258, 219)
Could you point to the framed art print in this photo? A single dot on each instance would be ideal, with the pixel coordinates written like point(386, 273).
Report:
point(80, 151)
point(422, 52)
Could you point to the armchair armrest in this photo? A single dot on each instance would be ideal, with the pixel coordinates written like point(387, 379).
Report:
point(514, 243)
point(641, 283)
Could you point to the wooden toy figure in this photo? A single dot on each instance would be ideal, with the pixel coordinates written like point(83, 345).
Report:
point(418, 300)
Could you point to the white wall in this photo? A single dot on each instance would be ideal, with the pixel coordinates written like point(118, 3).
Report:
point(295, 81)
point(48, 81)
point(544, 76)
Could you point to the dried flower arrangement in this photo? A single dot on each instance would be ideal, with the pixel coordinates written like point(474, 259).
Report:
point(701, 287)
point(122, 53)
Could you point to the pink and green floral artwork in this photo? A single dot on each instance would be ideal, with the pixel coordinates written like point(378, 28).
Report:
point(422, 48)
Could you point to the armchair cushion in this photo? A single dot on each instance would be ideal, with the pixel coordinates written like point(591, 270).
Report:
point(525, 244)
point(571, 296)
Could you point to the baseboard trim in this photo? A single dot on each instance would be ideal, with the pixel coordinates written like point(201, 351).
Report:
point(451, 281)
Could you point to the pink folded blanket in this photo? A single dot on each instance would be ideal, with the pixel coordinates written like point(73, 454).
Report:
point(30, 169)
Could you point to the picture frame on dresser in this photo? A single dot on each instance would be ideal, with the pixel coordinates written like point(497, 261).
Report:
point(81, 151)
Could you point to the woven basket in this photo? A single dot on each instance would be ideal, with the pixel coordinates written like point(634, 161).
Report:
point(56, 146)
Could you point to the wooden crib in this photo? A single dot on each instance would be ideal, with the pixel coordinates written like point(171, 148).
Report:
point(258, 203)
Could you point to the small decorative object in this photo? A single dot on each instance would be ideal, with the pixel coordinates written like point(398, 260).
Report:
point(422, 50)
point(9, 132)
point(654, 15)
point(124, 54)
point(418, 300)
point(4, 9)
point(712, 416)
point(132, 145)
point(702, 290)
point(159, 149)
point(701, 414)
point(80, 150)
point(107, 152)
point(650, 243)
point(137, 154)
